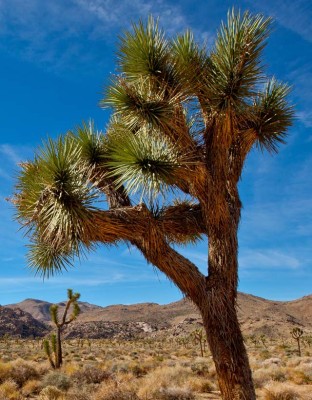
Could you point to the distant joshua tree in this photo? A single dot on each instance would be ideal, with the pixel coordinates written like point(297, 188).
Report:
point(56, 342)
point(198, 336)
point(297, 333)
point(184, 120)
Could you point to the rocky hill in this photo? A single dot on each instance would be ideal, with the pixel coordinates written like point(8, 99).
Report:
point(257, 316)
point(40, 309)
point(19, 323)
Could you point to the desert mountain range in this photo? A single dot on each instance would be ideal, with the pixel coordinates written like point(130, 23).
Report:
point(257, 316)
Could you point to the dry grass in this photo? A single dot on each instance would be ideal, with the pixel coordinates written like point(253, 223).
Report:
point(286, 391)
point(143, 370)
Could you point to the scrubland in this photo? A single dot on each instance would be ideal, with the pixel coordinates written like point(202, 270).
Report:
point(146, 369)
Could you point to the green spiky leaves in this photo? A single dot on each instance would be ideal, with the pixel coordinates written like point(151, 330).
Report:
point(47, 259)
point(144, 162)
point(53, 204)
point(272, 115)
point(143, 52)
point(92, 144)
point(138, 103)
point(191, 63)
point(54, 313)
point(236, 60)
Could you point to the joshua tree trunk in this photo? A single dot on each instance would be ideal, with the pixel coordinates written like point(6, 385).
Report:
point(299, 348)
point(59, 356)
point(215, 298)
point(219, 306)
point(227, 348)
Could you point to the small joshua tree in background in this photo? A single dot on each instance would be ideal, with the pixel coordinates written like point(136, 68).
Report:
point(198, 336)
point(56, 343)
point(296, 333)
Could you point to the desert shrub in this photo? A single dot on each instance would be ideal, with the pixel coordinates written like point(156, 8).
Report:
point(22, 371)
point(91, 374)
point(262, 376)
point(200, 368)
point(56, 379)
point(123, 368)
point(272, 360)
point(300, 377)
point(78, 394)
point(115, 394)
point(295, 361)
point(163, 377)
point(278, 376)
point(5, 371)
point(283, 394)
point(173, 393)
point(51, 393)
point(31, 387)
point(138, 370)
point(265, 354)
point(9, 391)
point(201, 385)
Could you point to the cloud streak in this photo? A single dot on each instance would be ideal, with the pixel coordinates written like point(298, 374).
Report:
point(62, 34)
point(10, 153)
point(293, 15)
point(267, 259)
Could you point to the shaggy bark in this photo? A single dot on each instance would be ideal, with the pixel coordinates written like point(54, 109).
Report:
point(219, 307)
point(215, 295)
point(220, 320)
point(59, 354)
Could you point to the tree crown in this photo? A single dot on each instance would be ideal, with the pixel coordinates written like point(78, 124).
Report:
point(183, 119)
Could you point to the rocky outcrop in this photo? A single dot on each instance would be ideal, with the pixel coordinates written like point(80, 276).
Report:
point(108, 330)
point(18, 323)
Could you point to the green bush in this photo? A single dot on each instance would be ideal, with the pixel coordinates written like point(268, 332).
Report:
point(56, 379)
point(91, 374)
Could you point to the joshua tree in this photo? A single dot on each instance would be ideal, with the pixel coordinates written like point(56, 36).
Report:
point(198, 336)
point(56, 342)
point(297, 333)
point(183, 119)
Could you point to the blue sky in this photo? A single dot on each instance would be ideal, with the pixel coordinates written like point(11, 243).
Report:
point(56, 58)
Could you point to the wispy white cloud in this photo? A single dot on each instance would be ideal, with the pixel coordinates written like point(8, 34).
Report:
point(59, 281)
point(51, 33)
point(109, 12)
point(305, 117)
point(300, 77)
point(293, 15)
point(267, 258)
point(10, 152)
point(15, 153)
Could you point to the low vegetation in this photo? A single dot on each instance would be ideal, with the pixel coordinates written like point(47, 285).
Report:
point(147, 369)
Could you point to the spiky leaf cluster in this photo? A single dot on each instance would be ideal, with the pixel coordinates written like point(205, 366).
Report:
point(144, 161)
point(53, 203)
point(220, 92)
point(236, 61)
point(272, 115)
point(183, 118)
point(92, 144)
